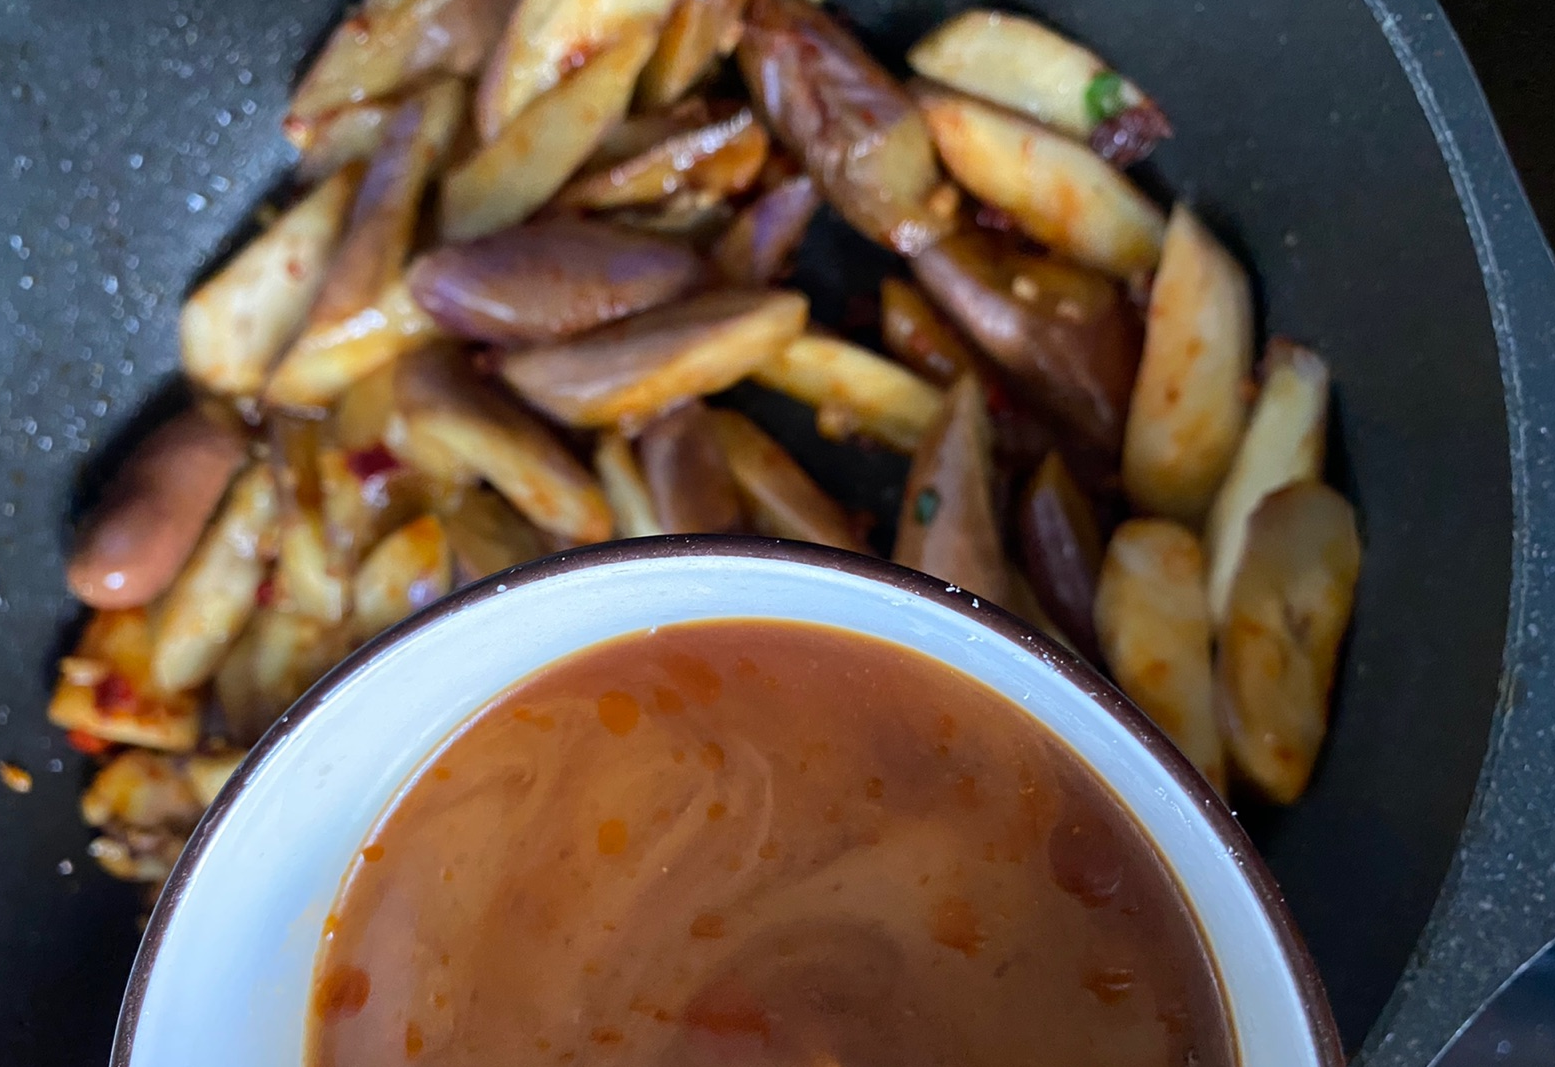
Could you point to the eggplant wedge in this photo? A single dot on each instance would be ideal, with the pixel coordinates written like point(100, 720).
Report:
point(1153, 624)
point(1021, 64)
point(509, 178)
point(1058, 192)
point(546, 280)
point(717, 160)
point(145, 790)
point(212, 599)
point(688, 477)
point(758, 244)
point(915, 333)
point(697, 34)
point(855, 128)
point(136, 540)
point(1284, 444)
point(1061, 548)
point(1288, 609)
point(388, 46)
point(1191, 396)
point(327, 361)
point(854, 391)
point(235, 326)
point(348, 135)
point(106, 688)
point(485, 535)
point(385, 214)
point(406, 571)
point(782, 500)
point(544, 42)
point(442, 398)
point(1066, 334)
point(279, 655)
point(631, 371)
point(625, 487)
point(308, 578)
point(948, 526)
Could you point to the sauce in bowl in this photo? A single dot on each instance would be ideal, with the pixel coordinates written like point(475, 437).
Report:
point(758, 842)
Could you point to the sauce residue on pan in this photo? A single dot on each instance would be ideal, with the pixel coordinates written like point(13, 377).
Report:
point(760, 843)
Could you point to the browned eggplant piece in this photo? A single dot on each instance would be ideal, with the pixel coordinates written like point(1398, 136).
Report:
point(855, 393)
point(106, 688)
point(136, 541)
point(688, 477)
point(1062, 550)
point(1153, 624)
point(239, 322)
point(545, 41)
point(340, 137)
point(918, 335)
point(719, 158)
point(783, 501)
point(697, 33)
point(857, 131)
point(309, 578)
point(694, 218)
point(914, 333)
point(631, 371)
point(1056, 191)
point(621, 476)
point(388, 46)
point(549, 279)
point(948, 527)
point(757, 246)
point(485, 535)
point(512, 175)
point(1287, 612)
point(1068, 335)
point(277, 658)
point(471, 421)
point(1014, 61)
point(383, 219)
point(407, 570)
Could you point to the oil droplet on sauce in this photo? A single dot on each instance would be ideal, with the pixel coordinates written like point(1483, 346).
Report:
point(543, 723)
point(667, 700)
point(955, 926)
point(331, 924)
point(414, 1042)
point(372, 853)
point(442, 774)
point(612, 837)
point(707, 925)
point(619, 711)
point(341, 993)
point(874, 789)
point(1110, 984)
point(713, 756)
point(606, 1035)
point(716, 811)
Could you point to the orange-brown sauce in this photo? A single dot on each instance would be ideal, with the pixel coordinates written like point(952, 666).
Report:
point(867, 859)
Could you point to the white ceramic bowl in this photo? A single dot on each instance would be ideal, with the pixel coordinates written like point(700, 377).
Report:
point(224, 972)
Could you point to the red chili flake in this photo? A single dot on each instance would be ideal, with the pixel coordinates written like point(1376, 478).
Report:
point(997, 397)
point(87, 744)
point(114, 694)
point(296, 270)
point(368, 463)
point(264, 596)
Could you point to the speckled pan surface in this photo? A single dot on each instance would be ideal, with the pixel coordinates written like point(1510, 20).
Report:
point(1342, 147)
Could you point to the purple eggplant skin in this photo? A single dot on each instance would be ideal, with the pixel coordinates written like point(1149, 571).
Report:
point(1061, 549)
point(857, 131)
point(1068, 335)
point(549, 279)
point(688, 478)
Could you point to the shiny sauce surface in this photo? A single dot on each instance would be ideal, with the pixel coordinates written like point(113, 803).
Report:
point(750, 842)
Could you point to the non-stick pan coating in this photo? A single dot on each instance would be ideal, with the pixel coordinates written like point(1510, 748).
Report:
point(136, 136)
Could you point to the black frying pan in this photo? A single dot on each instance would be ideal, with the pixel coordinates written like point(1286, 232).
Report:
point(1342, 147)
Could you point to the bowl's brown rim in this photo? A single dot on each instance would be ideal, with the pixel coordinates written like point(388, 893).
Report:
point(1320, 1020)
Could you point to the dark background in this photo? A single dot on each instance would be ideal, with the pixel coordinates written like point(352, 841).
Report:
point(1512, 44)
